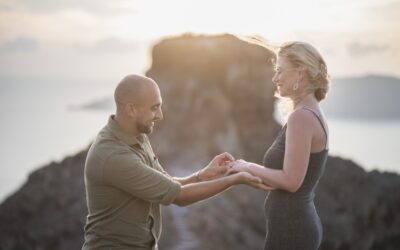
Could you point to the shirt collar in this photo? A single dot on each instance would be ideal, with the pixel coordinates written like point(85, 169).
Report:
point(120, 133)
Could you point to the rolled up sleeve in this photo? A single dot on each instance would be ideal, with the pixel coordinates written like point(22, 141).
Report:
point(126, 171)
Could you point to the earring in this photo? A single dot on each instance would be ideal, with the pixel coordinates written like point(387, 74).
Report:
point(296, 85)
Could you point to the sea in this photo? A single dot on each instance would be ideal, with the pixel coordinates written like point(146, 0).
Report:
point(43, 121)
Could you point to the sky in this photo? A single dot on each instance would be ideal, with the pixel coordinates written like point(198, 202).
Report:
point(102, 38)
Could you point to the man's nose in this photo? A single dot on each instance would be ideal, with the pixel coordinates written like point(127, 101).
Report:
point(159, 115)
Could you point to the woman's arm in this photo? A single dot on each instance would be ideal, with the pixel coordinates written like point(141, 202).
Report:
point(299, 133)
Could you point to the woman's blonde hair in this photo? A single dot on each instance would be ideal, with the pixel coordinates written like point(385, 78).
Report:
point(304, 55)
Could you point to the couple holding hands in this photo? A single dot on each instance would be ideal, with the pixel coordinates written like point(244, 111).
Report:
point(126, 185)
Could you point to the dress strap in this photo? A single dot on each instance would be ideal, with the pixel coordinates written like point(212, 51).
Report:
point(320, 121)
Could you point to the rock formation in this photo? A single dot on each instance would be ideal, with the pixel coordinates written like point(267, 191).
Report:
point(218, 96)
point(48, 211)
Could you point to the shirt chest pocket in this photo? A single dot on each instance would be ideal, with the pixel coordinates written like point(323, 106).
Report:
point(156, 164)
point(147, 157)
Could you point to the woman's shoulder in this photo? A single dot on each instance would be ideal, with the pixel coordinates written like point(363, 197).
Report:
point(301, 117)
point(306, 119)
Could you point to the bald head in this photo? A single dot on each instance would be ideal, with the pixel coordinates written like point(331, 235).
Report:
point(132, 89)
point(138, 102)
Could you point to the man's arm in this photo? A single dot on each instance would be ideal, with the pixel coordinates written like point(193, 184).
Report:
point(195, 192)
point(127, 172)
point(216, 168)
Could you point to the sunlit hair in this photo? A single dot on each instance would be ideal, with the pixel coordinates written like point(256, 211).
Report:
point(304, 55)
point(300, 54)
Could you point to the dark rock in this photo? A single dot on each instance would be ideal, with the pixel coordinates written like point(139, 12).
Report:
point(49, 210)
point(217, 96)
point(359, 210)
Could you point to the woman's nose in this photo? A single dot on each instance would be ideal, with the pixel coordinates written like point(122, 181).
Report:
point(275, 78)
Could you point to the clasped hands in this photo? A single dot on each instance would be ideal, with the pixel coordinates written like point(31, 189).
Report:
point(225, 165)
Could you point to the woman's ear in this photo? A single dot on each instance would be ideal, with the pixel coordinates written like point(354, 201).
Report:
point(302, 73)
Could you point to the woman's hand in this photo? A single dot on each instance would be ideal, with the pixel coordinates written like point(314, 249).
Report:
point(250, 180)
point(243, 167)
point(238, 166)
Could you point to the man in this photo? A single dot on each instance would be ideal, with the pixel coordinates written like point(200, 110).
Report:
point(125, 184)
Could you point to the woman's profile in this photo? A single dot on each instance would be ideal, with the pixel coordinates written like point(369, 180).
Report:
point(296, 160)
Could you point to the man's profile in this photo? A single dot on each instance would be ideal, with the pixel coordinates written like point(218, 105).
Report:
point(125, 183)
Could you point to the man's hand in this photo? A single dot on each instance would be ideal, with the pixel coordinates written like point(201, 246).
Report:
point(242, 167)
point(216, 168)
point(251, 180)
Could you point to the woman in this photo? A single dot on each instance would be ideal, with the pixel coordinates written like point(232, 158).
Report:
point(296, 160)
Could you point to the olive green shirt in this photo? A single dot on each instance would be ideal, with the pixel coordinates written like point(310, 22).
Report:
point(125, 185)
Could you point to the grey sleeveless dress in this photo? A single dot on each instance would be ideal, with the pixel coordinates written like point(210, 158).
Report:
point(291, 218)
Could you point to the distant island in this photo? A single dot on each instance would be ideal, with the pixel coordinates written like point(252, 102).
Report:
point(371, 97)
point(106, 103)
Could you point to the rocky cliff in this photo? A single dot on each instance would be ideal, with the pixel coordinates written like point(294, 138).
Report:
point(217, 94)
point(217, 97)
point(48, 211)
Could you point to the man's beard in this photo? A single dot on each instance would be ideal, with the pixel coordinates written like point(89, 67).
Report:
point(143, 128)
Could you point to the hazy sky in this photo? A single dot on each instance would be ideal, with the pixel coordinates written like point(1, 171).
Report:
point(103, 38)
